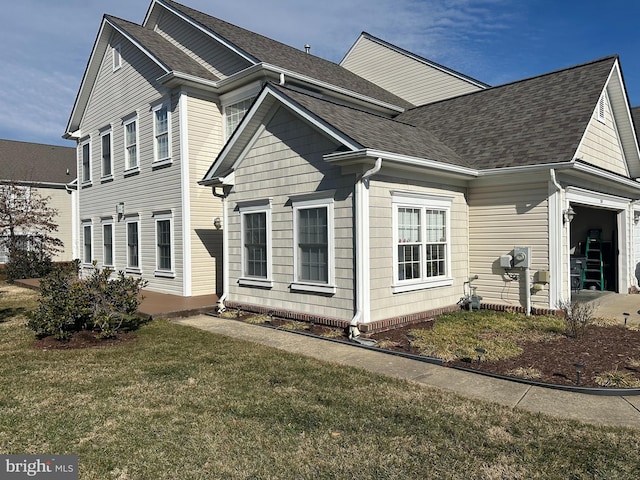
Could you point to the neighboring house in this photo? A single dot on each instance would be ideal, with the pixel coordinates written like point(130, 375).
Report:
point(49, 170)
point(340, 215)
point(336, 197)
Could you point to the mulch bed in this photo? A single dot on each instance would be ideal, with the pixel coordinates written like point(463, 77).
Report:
point(83, 339)
point(601, 349)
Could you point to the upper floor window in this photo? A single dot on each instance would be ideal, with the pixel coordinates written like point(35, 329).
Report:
point(107, 160)
point(86, 161)
point(161, 130)
point(131, 144)
point(116, 52)
point(422, 241)
point(233, 115)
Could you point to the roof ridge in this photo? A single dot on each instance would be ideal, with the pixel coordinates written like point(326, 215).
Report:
point(521, 80)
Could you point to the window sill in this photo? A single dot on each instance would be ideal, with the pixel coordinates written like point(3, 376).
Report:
point(161, 163)
point(164, 274)
point(255, 282)
point(314, 287)
point(421, 285)
point(106, 178)
point(132, 171)
point(134, 270)
point(86, 183)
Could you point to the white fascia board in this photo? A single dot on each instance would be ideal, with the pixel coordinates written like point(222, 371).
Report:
point(207, 32)
point(333, 88)
point(402, 159)
point(187, 79)
point(91, 71)
point(525, 169)
point(307, 116)
point(605, 175)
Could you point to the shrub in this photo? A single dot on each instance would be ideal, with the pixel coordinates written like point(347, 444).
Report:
point(27, 264)
point(577, 317)
point(98, 303)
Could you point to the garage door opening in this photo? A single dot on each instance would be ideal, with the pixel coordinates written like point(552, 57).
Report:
point(594, 249)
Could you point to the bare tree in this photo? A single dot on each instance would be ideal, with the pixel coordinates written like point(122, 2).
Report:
point(27, 221)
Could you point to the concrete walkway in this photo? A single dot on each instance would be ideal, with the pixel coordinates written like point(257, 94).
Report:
point(595, 409)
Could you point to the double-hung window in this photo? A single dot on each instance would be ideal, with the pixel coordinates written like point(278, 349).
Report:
point(422, 243)
point(161, 132)
point(133, 244)
point(313, 244)
point(87, 243)
point(164, 245)
point(86, 161)
point(106, 148)
point(131, 144)
point(107, 243)
point(256, 243)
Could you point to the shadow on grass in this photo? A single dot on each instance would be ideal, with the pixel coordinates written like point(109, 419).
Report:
point(7, 313)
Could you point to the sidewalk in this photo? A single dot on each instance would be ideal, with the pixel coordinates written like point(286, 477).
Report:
point(595, 409)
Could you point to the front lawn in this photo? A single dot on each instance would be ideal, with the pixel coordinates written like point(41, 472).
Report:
point(179, 403)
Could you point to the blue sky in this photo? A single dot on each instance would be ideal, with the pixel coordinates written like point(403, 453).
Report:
point(46, 44)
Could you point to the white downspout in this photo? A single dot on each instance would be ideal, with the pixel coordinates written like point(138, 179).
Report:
point(555, 244)
point(225, 257)
point(362, 293)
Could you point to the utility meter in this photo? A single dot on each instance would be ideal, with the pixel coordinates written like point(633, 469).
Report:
point(521, 257)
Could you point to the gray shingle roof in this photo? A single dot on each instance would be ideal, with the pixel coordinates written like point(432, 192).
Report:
point(533, 121)
point(377, 132)
point(171, 56)
point(270, 51)
point(35, 162)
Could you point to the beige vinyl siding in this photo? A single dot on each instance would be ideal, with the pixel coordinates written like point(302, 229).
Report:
point(415, 81)
point(385, 303)
point(286, 159)
point(199, 46)
point(115, 96)
point(205, 142)
point(601, 145)
point(500, 218)
point(61, 200)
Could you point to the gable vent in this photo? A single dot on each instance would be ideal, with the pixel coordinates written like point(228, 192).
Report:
point(602, 108)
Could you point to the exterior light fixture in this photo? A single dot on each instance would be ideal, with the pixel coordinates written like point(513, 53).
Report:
point(626, 317)
point(567, 215)
point(120, 208)
point(579, 370)
point(217, 223)
point(481, 351)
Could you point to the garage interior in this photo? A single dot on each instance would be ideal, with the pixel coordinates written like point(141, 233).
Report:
point(594, 249)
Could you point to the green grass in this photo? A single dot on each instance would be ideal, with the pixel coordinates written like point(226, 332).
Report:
point(457, 335)
point(177, 403)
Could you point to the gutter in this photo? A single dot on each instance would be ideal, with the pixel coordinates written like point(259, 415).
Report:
point(363, 290)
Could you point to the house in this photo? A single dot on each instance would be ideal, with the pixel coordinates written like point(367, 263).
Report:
point(367, 193)
point(344, 216)
point(48, 169)
point(154, 108)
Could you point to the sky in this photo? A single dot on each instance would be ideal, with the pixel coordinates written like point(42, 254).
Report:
point(47, 44)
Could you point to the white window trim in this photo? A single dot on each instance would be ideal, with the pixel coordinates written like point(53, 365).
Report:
point(133, 219)
point(157, 218)
point(88, 181)
point(87, 224)
point(116, 53)
point(423, 202)
point(128, 169)
point(261, 206)
point(303, 285)
point(109, 176)
point(113, 243)
point(227, 132)
point(157, 162)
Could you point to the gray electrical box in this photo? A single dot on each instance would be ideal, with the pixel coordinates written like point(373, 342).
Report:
point(522, 257)
point(505, 261)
